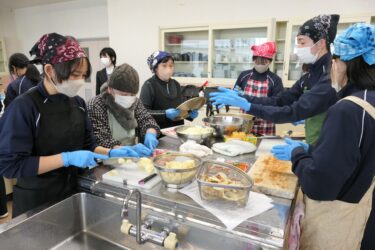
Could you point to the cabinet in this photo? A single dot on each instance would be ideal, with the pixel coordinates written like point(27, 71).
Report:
point(3, 59)
point(217, 53)
point(288, 67)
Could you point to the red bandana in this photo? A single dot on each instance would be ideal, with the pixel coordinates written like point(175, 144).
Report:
point(267, 49)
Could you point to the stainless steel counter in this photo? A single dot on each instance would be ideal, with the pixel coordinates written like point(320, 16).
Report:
point(265, 231)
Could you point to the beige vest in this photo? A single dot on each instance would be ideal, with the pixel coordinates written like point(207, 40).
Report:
point(337, 224)
point(126, 137)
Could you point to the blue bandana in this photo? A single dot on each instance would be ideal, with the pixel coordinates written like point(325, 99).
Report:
point(156, 58)
point(357, 40)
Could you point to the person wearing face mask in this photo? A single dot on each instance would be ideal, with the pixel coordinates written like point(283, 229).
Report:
point(46, 135)
point(24, 74)
point(108, 60)
point(337, 175)
point(310, 97)
point(261, 82)
point(118, 116)
point(161, 94)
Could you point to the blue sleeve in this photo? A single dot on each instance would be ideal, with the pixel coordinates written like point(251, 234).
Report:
point(240, 81)
point(17, 132)
point(10, 94)
point(285, 97)
point(277, 86)
point(337, 151)
point(315, 101)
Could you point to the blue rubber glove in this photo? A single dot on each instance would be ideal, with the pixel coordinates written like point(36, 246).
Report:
point(142, 150)
point(298, 123)
point(150, 141)
point(171, 114)
point(284, 152)
point(81, 158)
point(124, 151)
point(193, 114)
point(231, 100)
point(224, 91)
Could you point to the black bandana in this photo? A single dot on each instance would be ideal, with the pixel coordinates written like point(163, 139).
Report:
point(320, 27)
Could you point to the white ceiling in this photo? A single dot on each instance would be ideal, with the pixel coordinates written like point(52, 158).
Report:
point(17, 4)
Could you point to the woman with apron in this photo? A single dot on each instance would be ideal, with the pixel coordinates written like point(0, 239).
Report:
point(337, 175)
point(261, 82)
point(45, 134)
point(310, 97)
point(118, 116)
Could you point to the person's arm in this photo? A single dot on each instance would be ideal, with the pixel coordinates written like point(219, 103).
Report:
point(323, 173)
point(277, 85)
point(17, 132)
point(145, 121)
point(285, 97)
point(98, 118)
point(10, 94)
point(315, 101)
point(98, 83)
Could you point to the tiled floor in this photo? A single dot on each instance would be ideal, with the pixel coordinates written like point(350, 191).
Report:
point(6, 219)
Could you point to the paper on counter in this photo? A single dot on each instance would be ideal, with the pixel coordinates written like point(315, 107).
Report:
point(230, 215)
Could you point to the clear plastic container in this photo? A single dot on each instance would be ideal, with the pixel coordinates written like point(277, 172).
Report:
point(177, 169)
point(225, 182)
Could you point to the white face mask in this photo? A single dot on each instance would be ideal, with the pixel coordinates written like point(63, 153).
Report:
point(260, 68)
point(70, 87)
point(125, 101)
point(304, 55)
point(105, 61)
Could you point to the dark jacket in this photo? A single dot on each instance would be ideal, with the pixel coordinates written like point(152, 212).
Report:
point(16, 88)
point(295, 104)
point(19, 126)
point(101, 77)
point(275, 84)
point(342, 164)
point(157, 96)
point(98, 114)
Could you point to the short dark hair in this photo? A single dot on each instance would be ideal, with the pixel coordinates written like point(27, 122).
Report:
point(255, 57)
point(361, 73)
point(110, 52)
point(20, 61)
point(164, 60)
point(64, 69)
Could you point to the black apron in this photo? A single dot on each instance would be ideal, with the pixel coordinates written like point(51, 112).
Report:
point(61, 129)
point(163, 101)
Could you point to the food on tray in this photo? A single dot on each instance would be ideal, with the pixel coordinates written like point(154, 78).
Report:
point(124, 161)
point(241, 165)
point(178, 163)
point(211, 193)
point(146, 164)
point(196, 130)
point(271, 163)
point(241, 136)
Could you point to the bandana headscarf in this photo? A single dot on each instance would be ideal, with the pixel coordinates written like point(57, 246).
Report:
point(267, 49)
point(357, 40)
point(54, 48)
point(156, 58)
point(320, 27)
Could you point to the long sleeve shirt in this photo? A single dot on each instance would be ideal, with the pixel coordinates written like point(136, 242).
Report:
point(16, 88)
point(342, 164)
point(19, 127)
point(312, 94)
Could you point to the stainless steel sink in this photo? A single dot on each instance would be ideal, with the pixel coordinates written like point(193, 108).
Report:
point(86, 221)
point(82, 221)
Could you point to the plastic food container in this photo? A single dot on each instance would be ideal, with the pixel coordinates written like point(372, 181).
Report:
point(233, 186)
point(177, 169)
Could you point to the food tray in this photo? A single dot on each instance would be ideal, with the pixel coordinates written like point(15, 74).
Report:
point(235, 190)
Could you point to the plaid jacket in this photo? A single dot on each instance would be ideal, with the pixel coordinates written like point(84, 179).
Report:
point(98, 114)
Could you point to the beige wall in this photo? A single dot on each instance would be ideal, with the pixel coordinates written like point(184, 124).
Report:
point(134, 25)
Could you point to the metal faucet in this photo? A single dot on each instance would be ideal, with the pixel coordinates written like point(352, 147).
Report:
point(143, 232)
point(125, 211)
